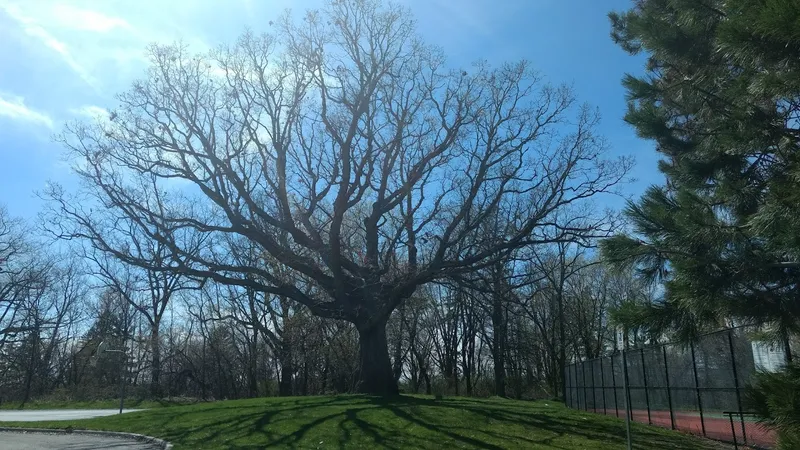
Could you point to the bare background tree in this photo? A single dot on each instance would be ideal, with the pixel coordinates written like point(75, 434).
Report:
point(225, 341)
point(40, 312)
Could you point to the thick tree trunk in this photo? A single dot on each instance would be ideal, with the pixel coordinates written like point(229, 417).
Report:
point(252, 382)
point(467, 356)
point(500, 329)
point(499, 348)
point(203, 373)
point(423, 374)
point(325, 369)
point(287, 371)
point(428, 387)
point(31, 365)
point(304, 386)
point(285, 385)
point(398, 349)
point(375, 374)
point(416, 381)
point(155, 373)
point(252, 372)
point(562, 343)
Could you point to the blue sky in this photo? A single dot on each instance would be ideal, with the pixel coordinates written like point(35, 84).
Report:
point(62, 60)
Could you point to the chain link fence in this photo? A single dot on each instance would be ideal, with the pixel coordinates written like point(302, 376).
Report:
point(696, 388)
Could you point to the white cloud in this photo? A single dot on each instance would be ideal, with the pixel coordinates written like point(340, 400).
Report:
point(91, 112)
point(95, 114)
point(104, 42)
point(69, 16)
point(33, 29)
point(14, 107)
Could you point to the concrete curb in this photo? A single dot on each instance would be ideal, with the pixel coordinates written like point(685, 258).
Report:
point(117, 434)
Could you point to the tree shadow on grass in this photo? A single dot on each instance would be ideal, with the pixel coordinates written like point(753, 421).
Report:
point(373, 431)
point(393, 423)
point(226, 422)
point(555, 424)
point(560, 421)
point(402, 414)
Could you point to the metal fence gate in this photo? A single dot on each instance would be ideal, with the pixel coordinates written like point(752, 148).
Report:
point(697, 388)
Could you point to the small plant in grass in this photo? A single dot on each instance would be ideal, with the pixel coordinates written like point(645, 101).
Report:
point(438, 391)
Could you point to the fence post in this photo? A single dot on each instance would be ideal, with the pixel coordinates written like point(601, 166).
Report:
point(627, 386)
point(592, 387)
point(614, 385)
point(646, 394)
point(585, 395)
point(577, 397)
point(564, 387)
point(697, 390)
point(736, 384)
point(628, 407)
point(669, 393)
point(568, 397)
point(733, 432)
point(603, 385)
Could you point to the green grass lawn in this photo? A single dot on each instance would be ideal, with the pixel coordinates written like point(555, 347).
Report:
point(369, 422)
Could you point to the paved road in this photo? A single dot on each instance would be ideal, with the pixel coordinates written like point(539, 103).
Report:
point(56, 414)
point(43, 441)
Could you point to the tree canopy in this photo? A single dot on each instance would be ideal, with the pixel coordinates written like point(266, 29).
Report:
point(344, 153)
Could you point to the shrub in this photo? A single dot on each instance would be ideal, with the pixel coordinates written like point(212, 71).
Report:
point(775, 398)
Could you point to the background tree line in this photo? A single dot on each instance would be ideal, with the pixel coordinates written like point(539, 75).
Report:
point(494, 334)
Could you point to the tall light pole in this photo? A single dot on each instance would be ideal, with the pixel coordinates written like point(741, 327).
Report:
point(101, 348)
point(626, 387)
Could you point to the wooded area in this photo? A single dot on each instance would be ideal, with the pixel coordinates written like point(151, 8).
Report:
point(214, 341)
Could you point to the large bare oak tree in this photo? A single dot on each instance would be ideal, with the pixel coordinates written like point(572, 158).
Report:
point(344, 149)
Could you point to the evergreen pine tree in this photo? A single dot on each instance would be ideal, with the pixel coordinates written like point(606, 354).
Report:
point(721, 99)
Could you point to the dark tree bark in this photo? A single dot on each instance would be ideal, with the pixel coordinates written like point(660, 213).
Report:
point(499, 344)
point(397, 366)
point(375, 372)
point(32, 363)
point(252, 367)
point(287, 370)
point(155, 360)
point(470, 331)
point(285, 354)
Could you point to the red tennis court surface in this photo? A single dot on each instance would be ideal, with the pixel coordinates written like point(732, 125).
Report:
point(716, 425)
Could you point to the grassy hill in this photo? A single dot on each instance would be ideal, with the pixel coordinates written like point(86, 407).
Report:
point(360, 422)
